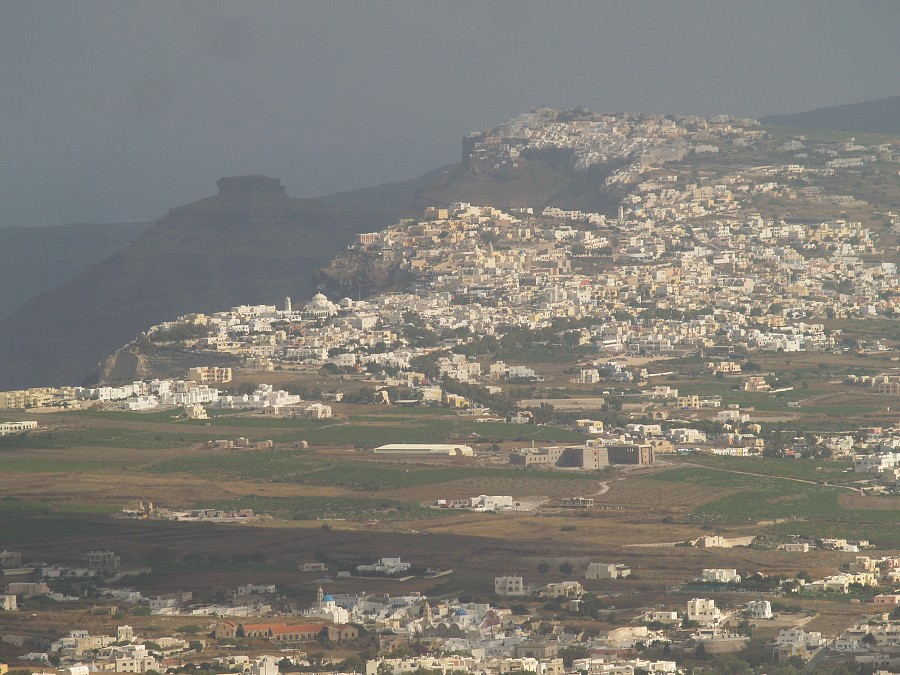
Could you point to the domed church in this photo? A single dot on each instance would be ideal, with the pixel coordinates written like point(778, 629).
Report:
point(327, 610)
point(319, 307)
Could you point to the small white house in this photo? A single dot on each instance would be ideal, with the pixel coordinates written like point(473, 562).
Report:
point(720, 575)
point(389, 565)
point(759, 609)
point(606, 571)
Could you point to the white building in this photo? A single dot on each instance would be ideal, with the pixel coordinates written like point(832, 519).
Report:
point(320, 307)
point(327, 609)
point(720, 575)
point(17, 427)
point(389, 565)
point(759, 609)
point(509, 586)
point(139, 403)
point(703, 611)
point(597, 570)
point(447, 449)
point(799, 636)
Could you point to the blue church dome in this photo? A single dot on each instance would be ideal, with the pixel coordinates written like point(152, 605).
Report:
point(328, 598)
point(460, 612)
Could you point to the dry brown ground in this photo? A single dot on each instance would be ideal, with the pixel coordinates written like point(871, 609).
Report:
point(868, 503)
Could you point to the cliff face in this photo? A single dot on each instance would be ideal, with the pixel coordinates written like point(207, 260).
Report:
point(540, 178)
point(141, 360)
point(251, 243)
point(358, 274)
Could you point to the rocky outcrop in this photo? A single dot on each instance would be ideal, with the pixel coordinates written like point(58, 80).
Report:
point(142, 360)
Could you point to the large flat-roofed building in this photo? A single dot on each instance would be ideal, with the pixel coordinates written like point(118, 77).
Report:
point(448, 449)
point(630, 453)
point(562, 457)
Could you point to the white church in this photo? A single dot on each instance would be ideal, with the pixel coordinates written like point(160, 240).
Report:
point(327, 610)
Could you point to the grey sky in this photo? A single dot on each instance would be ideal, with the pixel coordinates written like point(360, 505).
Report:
point(116, 110)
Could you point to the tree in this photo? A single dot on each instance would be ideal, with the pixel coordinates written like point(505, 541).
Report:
point(570, 654)
point(566, 568)
point(543, 568)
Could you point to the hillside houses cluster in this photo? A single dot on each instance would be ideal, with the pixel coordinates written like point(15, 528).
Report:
point(476, 636)
point(739, 288)
point(638, 140)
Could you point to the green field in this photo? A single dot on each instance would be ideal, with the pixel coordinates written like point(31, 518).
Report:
point(804, 469)
point(166, 416)
point(38, 465)
point(24, 527)
point(878, 527)
point(11, 507)
point(311, 470)
point(102, 437)
point(813, 509)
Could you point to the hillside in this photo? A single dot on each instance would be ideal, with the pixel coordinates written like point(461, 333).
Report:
point(541, 178)
point(251, 243)
point(878, 116)
point(36, 259)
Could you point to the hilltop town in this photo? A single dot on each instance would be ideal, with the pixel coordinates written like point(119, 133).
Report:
point(716, 352)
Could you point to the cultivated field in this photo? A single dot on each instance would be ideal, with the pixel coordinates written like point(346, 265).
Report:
point(336, 501)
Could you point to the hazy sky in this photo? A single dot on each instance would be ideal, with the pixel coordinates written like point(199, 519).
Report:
point(120, 109)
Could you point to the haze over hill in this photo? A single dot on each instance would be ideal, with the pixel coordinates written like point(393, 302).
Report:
point(251, 243)
point(36, 259)
point(879, 116)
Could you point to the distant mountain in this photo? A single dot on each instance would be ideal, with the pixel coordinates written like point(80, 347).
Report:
point(389, 197)
point(36, 259)
point(251, 243)
point(881, 116)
